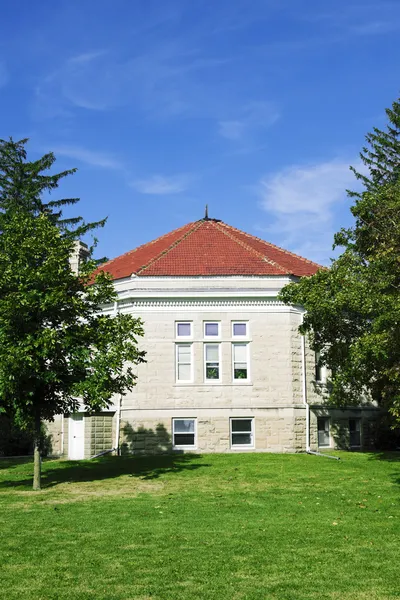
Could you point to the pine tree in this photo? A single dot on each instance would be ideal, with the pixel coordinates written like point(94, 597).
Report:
point(353, 309)
point(23, 184)
point(381, 155)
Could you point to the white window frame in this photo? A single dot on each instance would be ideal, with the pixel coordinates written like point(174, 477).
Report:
point(329, 444)
point(246, 344)
point(184, 337)
point(183, 381)
point(212, 381)
point(240, 337)
point(322, 371)
point(212, 337)
point(252, 433)
point(178, 447)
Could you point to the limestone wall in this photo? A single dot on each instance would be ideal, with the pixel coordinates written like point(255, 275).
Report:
point(275, 430)
point(274, 352)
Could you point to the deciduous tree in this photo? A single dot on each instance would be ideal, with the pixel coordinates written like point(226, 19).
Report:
point(56, 346)
point(353, 308)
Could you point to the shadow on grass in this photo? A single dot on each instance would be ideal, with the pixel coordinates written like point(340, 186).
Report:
point(145, 467)
point(15, 461)
point(387, 455)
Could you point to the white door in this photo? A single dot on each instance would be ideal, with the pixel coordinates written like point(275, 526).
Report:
point(76, 438)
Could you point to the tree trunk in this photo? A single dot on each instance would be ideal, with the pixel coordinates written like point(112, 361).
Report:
point(36, 456)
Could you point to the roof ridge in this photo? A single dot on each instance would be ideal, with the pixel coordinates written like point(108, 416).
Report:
point(247, 247)
point(145, 244)
point(196, 225)
point(311, 262)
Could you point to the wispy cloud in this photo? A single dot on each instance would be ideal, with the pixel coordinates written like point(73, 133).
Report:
point(231, 130)
point(302, 201)
point(93, 158)
point(4, 77)
point(160, 185)
point(167, 80)
point(251, 120)
point(368, 18)
point(86, 57)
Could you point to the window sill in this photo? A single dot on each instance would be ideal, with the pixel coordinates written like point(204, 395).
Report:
point(217, 384)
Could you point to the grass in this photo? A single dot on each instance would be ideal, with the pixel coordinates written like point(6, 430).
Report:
point(220, 527)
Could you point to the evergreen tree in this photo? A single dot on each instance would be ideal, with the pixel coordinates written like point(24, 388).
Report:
point(353, 309)
point(381, 155)
point(23, 184)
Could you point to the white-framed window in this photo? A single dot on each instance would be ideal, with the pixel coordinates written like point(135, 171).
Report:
point(212, 366)
point(184, 433)
point(240, 329)
point(212, 329)
point(183, 329)
point(184, 362)
point(240, 362)
point(242, 432)
point(355, 432)
point(324, 436)
point(320, 369)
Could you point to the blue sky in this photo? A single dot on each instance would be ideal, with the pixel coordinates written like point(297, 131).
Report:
point(255, 108)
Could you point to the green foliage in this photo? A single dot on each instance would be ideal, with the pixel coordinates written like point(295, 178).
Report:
point(55, 345)
point(353, 309)
point(15, 441)
point(381, 155)
point(22, 185)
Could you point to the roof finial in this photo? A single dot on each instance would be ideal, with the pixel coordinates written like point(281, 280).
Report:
point(206, 213)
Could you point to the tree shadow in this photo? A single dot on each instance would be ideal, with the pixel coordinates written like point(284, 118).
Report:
point(387, 455)
point(146, 441)
point(12, 463)
point(109, 467)
point(340, 435)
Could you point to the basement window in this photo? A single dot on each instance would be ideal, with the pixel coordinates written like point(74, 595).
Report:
point(355, 433)
point(242, 433)
point(184, 433)
point(324, 437)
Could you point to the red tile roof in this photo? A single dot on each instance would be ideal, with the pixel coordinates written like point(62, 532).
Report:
point(208, 247)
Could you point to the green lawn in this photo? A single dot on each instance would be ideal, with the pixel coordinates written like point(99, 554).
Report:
point(221, 527)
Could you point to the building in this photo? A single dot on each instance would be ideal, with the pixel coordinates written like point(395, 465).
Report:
point(227, 369)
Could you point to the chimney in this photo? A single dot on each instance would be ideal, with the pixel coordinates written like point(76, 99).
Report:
point(79, 254)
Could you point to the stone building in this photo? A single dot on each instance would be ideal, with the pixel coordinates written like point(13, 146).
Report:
point(226, 370)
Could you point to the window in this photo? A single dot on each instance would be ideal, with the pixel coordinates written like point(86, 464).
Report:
point(184, 329)
point(242, 433)
point(184, 362)
point(240, 361)
point(239, 329)
point(211, 329)
point(355, 432)
point(184, 433)
point(323, 432)
point(212, 368)
point(320, 369)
